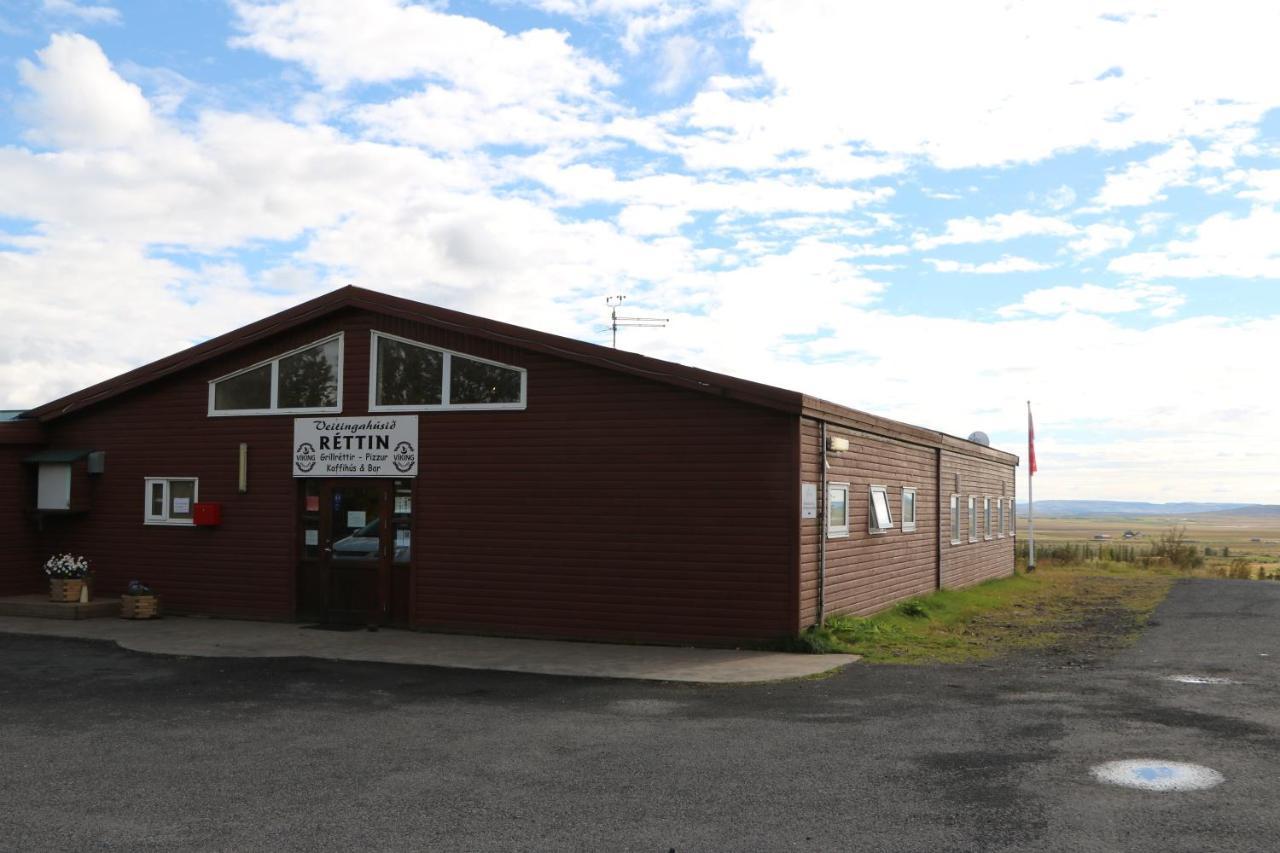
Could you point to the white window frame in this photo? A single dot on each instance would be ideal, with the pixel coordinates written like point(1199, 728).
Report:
point(871, 493)
point(986, 519)
point(1000, 525)
point(1013, 518)
point(274, 361)
point(163, 519)
point(836, 531)
point(910, 526)
point(973, 518)
point(957, 529)
point(446, 366)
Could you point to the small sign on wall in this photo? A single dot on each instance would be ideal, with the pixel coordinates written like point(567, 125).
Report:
point(808, 500)
point(355, 518)
point(375, 446)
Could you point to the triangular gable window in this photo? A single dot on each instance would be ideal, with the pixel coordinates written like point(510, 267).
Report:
point(308, 379)
point(411, 376)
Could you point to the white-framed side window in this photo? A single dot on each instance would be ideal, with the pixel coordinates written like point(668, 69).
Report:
point(956, 523)
point(171, 500)
point(973, 518)
point(879, 516)
point(837, 510)
point(986, 518)
point(1013, 519)
point(908, 509)
point(1001, 520)
point(301, 381)
point(410, 376)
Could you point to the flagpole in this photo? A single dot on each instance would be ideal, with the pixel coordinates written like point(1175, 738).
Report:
point(1031, 497)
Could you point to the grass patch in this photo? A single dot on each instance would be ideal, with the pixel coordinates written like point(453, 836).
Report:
point(1075, 610)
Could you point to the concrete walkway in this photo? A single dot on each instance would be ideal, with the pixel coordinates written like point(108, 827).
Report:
point(197, 637)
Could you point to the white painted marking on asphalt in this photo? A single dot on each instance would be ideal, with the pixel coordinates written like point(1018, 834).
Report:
point(1200, 679)
point(1149, 774)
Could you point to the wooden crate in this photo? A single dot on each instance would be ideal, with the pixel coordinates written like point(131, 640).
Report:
point(65, 589)
point(139, 606)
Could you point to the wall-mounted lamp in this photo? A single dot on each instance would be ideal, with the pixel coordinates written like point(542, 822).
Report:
point(243, 484)
point(837, 444)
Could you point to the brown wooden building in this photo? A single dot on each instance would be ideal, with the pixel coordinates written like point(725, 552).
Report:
point(368, 458)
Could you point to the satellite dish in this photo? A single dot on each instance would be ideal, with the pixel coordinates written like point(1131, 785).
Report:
point(980, 437)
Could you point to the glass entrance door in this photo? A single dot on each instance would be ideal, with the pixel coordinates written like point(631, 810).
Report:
point(355, 551)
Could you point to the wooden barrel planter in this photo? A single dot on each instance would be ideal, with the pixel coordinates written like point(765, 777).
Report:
point(65, 590)
point(139, 606)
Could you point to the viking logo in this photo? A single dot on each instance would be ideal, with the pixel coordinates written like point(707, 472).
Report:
point(305, 457)
point(403, 457)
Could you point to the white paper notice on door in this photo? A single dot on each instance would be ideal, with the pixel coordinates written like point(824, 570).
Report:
point(311, 537)
point(355, 518)
point(181, 506)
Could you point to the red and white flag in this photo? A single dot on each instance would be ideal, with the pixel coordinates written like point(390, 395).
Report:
point(1031, 440)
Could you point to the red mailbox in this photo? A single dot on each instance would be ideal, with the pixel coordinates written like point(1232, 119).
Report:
point(207, 514)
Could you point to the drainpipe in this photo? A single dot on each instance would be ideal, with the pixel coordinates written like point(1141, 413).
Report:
point(822, 534)
point(937, 463)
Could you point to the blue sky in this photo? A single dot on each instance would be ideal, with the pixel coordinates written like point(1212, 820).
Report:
point(932, 211)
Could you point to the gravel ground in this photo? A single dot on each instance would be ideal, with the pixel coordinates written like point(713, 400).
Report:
point(104, 749)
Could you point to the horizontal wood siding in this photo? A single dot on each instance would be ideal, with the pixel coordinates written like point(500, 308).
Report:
point(969, 563)
point(613, 507)
point(20, 558)
point(866, 572)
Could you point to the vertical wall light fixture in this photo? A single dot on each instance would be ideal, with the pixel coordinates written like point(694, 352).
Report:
point(243, 485)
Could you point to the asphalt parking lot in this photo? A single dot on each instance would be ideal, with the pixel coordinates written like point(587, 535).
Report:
point(106, 749)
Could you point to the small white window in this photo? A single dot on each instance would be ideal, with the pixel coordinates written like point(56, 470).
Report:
point(171, 500)
point(879, 518)
point(973, 518)
point(1000, 526)
point(908, 509)
point(837, 510)
point(956, 524)
point(1013, 519)
point(986, 518)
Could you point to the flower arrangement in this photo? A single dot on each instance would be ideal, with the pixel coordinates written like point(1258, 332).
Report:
point(138, 588)
point(66, 567)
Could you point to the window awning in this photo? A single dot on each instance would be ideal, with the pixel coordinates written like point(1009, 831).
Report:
point(57, 456)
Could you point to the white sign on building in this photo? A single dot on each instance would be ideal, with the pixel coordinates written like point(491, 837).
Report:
point(373, 446)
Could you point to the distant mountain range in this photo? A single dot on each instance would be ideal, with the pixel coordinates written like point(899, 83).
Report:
point(1069, 509)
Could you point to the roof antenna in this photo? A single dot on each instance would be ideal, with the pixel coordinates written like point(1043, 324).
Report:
point(629, 322)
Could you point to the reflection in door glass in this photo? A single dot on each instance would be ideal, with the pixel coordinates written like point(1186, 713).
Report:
point(356, 523)
point(402, 521)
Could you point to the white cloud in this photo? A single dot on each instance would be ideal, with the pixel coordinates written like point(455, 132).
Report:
point(996, 229)
point(1099, 238)
point(1002, 227)
point(649, 219)
point(1022, 81)
point(1144, 182)
point(1060, 198)
point(1006, 264)
point(78, 101)
point(683, 58)
point(379, 41)
point(1222, 245)
point(1160, 300)
point(89, 14)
